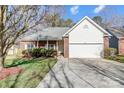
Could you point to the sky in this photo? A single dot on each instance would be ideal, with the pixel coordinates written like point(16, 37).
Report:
point(77, 12)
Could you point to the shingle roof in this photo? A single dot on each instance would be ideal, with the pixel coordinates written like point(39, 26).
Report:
point(116, 32)
point(51, 33)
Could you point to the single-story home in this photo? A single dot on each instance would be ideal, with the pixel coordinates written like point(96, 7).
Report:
point(49, 38)
point(86, 39)
point(117, 39)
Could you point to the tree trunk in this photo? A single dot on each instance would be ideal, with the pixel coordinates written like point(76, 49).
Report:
point(2, 59)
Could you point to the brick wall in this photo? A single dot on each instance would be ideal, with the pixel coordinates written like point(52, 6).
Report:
point(106, 42)
point(23, 43)
point(121, 46)
point(66, 47)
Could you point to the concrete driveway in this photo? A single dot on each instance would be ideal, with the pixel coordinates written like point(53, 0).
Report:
point(84, 73)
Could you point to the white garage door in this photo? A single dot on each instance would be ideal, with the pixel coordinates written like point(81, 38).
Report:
point(85, 50)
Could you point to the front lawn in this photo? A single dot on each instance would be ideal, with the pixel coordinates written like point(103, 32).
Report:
point(33, 71)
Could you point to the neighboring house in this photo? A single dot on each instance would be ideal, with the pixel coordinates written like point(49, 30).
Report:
point(86, 39)
point(117, 39)
point(12, 50)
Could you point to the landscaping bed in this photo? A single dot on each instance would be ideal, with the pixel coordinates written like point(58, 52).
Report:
point(118, 58)
point(25, 73)
point(111, 54)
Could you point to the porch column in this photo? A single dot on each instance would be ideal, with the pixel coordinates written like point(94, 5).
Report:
point(106, 42)
point(121, 46)
point(37, 41)
point(37, 44)
point(57, 47)
point(66, 47)
point(47, 43)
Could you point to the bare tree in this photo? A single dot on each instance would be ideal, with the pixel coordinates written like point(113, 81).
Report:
point(53, 18)
point(111, 17)
point(15, 21)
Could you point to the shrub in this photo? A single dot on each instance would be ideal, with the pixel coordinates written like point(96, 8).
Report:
point(43, 51)
point(26, 54)
point(110, 52)
point(35, 52)
point(39, 52)
point(54, 53)
point(51, 53)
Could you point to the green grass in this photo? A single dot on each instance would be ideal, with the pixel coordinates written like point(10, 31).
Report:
point(118, 58)
point(34, 71)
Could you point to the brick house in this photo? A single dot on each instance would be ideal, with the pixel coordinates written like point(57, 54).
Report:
point(117, 39)
point(50, 38)
point(86, 39)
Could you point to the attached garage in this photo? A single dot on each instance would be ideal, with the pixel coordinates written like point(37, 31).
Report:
point(85, 40)
point(85, 50)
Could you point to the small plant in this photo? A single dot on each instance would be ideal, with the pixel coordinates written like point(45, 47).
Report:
point(110, 52)
point(50, 53)
point(26, 54)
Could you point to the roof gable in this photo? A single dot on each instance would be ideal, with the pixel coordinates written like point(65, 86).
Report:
point(92, 22)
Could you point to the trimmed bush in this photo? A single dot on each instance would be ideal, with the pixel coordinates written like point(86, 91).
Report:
point(43, 52)
point(51, 53)
point(110, 52)
point(35, 52)
point(40, 52)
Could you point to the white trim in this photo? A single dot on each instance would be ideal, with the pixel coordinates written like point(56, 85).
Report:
point(57, 45)
point(26, 46)
point(37, 44)
point(90, 20)
point(47, 44)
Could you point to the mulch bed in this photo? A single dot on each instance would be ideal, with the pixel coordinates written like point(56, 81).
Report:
point(5, 72)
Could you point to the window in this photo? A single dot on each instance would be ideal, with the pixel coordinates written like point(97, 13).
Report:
point(51, 46)
point(85, 27)
point(30, 46)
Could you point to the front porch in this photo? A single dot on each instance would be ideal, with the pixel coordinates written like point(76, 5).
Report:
point(57, 45)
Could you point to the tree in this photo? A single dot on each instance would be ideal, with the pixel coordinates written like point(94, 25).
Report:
point(69, 23)
point(111, 17)
point(56, 21)
point(16, 21)
point(53, 18)
point(98, 20)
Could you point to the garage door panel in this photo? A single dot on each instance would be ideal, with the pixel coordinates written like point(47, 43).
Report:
point(85, 51)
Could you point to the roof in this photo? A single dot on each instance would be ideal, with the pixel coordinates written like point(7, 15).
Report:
point(51, 33)
point(91, 21)
point(116, 32)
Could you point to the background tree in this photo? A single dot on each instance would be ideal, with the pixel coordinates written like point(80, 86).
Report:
point(111, 17)
point(55, 17)
point(16, 21)
point(56, 21)
point(98, 20)
point(53, 20)
point(69, 23)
